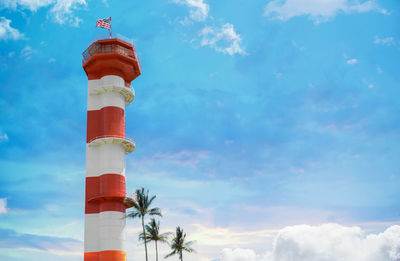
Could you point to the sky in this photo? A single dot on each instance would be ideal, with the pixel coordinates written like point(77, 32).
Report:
point(268, 130)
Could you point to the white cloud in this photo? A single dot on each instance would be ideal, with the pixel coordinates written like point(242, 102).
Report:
point(61, 10)
point(223, 39)
point(352, 61)
point(301, 48)
point(52, 60)
point(3, 137)
point(8, 32)
point(238, 254)
point(182, 158)
point(379, 69)
point(327, 242)
point(26, 53)
point(318, 10)
point(31, 5)
point(198, 10)
point(3, 206)
point(385, 41)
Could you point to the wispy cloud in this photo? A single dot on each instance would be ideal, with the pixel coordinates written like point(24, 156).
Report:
point(317, 10)
point(182, 158)
point(3, 206)
point(223, 39)
point(198, 9)
point(12, 239)
point(352, 61)
point(26, 53)
point(3, 137)
point(384, 41)
point(7, 32)
point(32, 5)
point(61, 10)
point(312, 243)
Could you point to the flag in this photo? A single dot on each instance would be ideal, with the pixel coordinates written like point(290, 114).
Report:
point(104, 23)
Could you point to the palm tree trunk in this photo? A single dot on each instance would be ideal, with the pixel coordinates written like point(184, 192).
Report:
point(144, 234)
point(156, 250)
point(180, 255)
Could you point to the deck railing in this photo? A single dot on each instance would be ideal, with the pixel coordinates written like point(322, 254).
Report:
point(95, 48)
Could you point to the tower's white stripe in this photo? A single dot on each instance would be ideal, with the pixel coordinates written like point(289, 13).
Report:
point(104, 231)
point(105, 159)
point(105, 99)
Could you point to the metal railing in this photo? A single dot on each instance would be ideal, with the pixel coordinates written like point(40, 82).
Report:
point(126, 137)
point(95, 48)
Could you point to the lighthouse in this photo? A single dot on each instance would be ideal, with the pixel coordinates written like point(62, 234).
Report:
point(110, 63)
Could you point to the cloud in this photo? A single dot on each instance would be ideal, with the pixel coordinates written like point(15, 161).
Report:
point(3, 137)
point(61, 10)
point(317, 10)
point(198, 10)
point(327, 242)
point(224, 39)
point(3, 206)
point(238, 254)
point(8, 32)
point(12, 239)
point(352, 61)
point(181, 158)
point(385, 41)
point(32, 5)
point(26, 53)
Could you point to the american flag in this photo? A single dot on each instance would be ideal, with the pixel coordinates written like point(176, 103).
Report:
point(104, 23)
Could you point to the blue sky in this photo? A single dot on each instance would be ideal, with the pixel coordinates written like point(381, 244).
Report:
point(251, 118)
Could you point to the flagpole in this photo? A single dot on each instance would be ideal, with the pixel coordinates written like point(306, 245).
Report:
point(110, 27)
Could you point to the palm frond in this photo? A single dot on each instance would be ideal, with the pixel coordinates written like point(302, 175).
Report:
point(170, 254)
point(190, 250)
point(155, 212)
point(133, 214)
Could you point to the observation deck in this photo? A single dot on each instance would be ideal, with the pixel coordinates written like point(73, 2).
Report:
point(111, 55)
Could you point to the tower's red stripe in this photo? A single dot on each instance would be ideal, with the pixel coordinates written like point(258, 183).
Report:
point(108, 121)
point(107, 255)
point(105, 193)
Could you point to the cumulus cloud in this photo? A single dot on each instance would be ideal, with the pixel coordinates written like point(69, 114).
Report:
point(61, 10)
point(317, 10)
point(327, 242)
point(198, 9)
point(352, 61)
point(223, 39)
point(8, 32)
point(384, 41)
point(3, 206)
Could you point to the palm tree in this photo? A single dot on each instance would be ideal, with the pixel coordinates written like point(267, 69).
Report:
point(141, 208)
point(178, 244)
point(153, 234)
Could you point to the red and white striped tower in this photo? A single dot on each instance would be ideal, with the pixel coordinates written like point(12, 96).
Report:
point(110, 65)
